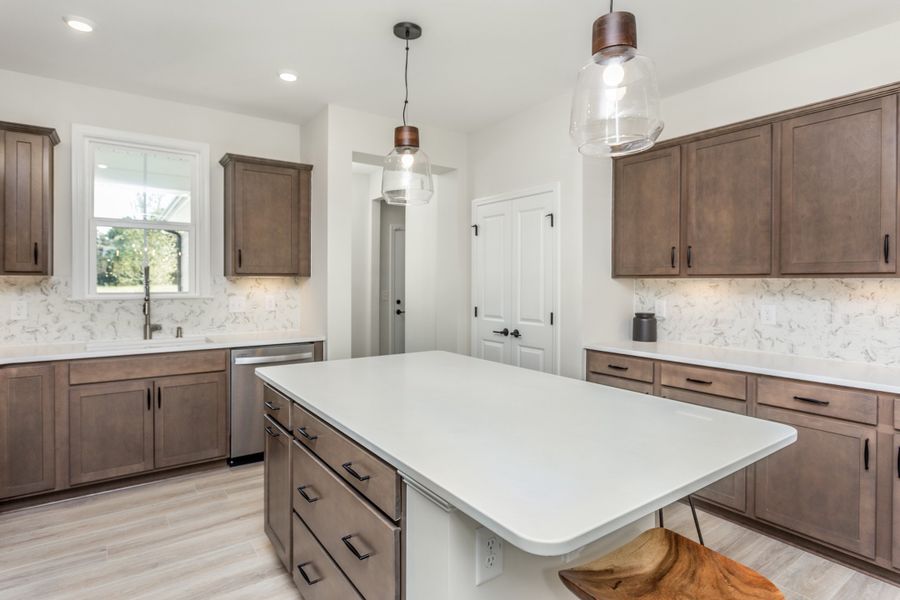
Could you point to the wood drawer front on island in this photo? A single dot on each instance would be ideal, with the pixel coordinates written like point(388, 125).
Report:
point(191, 419)
point(839, 403)
point(731, 491)
point(146, 366)
point(363, 542)
point(277, 407)
point(27, 439)
point(277, 493)
point(110, 430)
point(706, 381)
point(373, 478)
point(616, 365)
point(823, 485)
point(315, 574)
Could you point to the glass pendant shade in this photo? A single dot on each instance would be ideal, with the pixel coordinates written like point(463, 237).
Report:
point(615, 108)
point(406, 179)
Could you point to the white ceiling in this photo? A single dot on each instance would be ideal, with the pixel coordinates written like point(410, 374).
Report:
point(477, 62)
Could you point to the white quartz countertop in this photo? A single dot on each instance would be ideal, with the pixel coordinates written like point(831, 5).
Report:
point(28, 353)
point(819, 370)
point(548, 463)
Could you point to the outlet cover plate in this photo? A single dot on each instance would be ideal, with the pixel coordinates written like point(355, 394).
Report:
point(488, 555)
point(768, 315)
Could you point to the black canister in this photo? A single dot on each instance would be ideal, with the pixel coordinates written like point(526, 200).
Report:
point(643, 328)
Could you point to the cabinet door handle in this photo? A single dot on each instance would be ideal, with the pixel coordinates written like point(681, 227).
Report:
point(240, 259)
point(360, 555)
point(698, 381)
point(887, 248)
point(302, 491)
point(866, 454)
point(349, 468)
point(690, 256)
point(271, 406)
point(158, 397)
point(306, 578)
point(36, 254)
point(812, 401)
point(271, 432)
point(149, 399)
point(617, 368)
point(672, 257)
point(304, 433)
point(898, 462)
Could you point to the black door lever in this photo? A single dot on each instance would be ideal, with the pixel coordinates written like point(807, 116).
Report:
point(503, 332)
point(515, 333)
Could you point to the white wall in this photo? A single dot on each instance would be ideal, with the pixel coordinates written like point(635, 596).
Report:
point(52, 316)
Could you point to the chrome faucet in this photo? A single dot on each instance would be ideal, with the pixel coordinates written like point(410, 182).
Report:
point(149, 327)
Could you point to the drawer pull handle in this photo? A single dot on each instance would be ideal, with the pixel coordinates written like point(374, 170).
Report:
point(352, 548)
point(617, 368)
point(302, 491)
point(698, 381)
point(812, 401)
point(349, 468)
point(306, 578)
point(898, 462)
point(271, 432)
point(271, 406)
point(866, 454)
point(302, 431)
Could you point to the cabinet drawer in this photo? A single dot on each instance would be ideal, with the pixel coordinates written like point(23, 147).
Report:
point(623, 384)
point(850, 405)
point(616, 365)
point(372, 477)
point(707, 381)
point(277, 406)
point(314, 573)
point(364, 544)
point(147, 366)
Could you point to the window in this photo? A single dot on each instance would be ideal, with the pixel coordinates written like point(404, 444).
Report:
point(140, 203)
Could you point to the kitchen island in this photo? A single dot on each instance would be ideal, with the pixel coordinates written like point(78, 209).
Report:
point(562, 470)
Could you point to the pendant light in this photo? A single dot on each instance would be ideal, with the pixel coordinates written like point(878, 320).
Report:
point(406, 179)
point(615, 109)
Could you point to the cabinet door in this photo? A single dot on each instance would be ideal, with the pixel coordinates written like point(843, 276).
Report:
point(110, 430)
point(730, 491)
point(190, 419)
point(823, 485)
point(26, 210)
point(728, 207)
point(278, 490)
point(895, 552)
point(266, 219)
point(26, 430)
point(646, 213)
point(839, 190)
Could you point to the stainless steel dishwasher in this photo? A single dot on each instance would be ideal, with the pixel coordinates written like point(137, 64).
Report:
point(247, 395)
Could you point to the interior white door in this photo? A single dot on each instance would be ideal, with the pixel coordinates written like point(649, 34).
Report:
point(398, 290)
point(514, 281)
point(492, 263)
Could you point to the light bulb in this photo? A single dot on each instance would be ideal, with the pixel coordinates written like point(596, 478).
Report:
point(613, 75)
point(79, 24)
point(407, 160)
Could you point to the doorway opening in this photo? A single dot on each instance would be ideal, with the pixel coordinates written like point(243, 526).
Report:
point(392, 280)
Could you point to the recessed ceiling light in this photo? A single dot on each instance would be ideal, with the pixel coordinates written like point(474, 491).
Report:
point(102, 166)
point(288, 76)
point(79, 24)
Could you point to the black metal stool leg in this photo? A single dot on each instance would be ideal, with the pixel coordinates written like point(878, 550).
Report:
point(696, 521)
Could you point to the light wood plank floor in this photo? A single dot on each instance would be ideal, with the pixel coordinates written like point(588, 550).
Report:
point(201, 536)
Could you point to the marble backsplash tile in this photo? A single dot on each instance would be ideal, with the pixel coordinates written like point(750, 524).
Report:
point(54, 317)
point(848, 319)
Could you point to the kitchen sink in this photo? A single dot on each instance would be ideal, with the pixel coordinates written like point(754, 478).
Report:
point(146, 344)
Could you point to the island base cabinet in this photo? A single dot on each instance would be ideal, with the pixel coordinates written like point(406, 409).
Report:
point(277, 467)
point(26, 431)
point(895, 550)
point(315, 574)
point(190, 419)
point(831, 471)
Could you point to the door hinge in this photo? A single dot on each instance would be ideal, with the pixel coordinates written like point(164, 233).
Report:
point(475, 227)
point(551, 218)
point(476, 312)
point(551, 318)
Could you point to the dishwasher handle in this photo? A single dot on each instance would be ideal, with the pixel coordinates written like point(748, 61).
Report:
point(270, 360)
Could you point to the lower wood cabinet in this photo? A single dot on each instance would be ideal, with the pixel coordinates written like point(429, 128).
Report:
point(315, 573)
point(26, 430)
point(822, 486)
point(278, 490)
point(895, 475)
point(191, 419)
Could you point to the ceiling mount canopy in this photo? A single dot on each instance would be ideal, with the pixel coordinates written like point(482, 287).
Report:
point(615, 108)
point(406, 179)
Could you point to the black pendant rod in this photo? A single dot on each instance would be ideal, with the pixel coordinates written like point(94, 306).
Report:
point(406, 79)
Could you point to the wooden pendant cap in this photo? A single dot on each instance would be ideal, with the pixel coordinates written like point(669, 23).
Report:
point(406, 136)
point(614, 29)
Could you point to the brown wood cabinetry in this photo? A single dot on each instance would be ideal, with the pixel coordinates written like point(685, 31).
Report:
point(895, 513)
point(278, 490)
point(26, 430)
point(26, 185)
point(190, 419)
point(267, 217)
point(646, 213)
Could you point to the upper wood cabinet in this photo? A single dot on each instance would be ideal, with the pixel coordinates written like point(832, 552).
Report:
point(646, 213)
point(839, 190)
point(728, 204)
point(267, 217)
point(26, 185)
point(26, 430)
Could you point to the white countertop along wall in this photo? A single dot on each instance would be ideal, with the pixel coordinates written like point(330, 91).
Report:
point(549, 463)
point(834, 372)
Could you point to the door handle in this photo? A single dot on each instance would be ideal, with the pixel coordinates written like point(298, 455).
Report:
point(866, 454)
point(690, 257)
point(672, 257)
point(887, 248)
point(149, 399)
point(503, 332)
point(400, 312)
point(515, 333)
point(36, 253)
point(158, 397)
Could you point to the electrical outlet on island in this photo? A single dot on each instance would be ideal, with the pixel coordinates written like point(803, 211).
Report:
point(488, 555)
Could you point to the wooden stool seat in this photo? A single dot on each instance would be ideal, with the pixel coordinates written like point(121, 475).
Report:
point(661, 565)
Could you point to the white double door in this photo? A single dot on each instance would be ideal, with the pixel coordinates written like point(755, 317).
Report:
point(514, 280)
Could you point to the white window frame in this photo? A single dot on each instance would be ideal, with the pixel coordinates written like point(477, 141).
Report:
point(84, 236)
